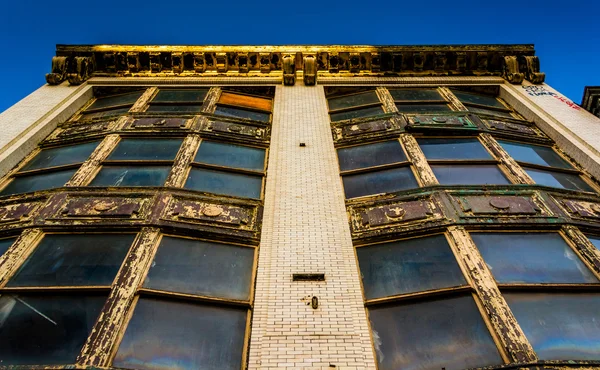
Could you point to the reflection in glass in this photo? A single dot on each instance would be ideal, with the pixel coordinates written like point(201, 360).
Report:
point(385, 181)
point(535, 154)
point(479, 174)
point(408, 266)
point(468, 148)
point(467, 97)
point(166, 96)
point(230, 155)
point(353, 100)
point(531, 258)
point(202, 268)
point(174, 108)
point(431, 335)
point(416, 94)
point(595, 240)
point(490, 112)
point(357, 113)
point(146, 149)
point(242, 113)
point(226, 183)
point(131, 176)
point(175, 335)
point(5, 244)
point(42, 181)
point(70, 260)
point(115, 100)
point(369, 155)
point(105, 113)
point(558, 179)
point(560, 326)
point(61, 156)
point(43, 329)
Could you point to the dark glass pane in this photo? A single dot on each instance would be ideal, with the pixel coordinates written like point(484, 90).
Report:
point(595, 240)
point(230, 155)
point(466, 97)
point(347, 101)
point(408, 266)
point(106, 113)
point(456, 174)
point(46, 330)
point(42, 181)
point(174, 335)
point(146, 149)
point(225, 183)
point(444, 333)
point(423, 108)
point(356, 113)
point(370, 155)
point(180, 96)
point(535, 154)
point(242, 113)
point(111, 101)
point(558, 179)
point(203, 268)
point(131, 176)
point(489, 112)
point(416, 94)
point(174, 108)
point(61, 156)
point(5, 244)
point(560, 326)
point(70, 260)
point(453, 149)
point(531, 258)
point(386, 181)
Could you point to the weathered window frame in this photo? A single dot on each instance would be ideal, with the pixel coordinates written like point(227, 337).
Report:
point(354, 107)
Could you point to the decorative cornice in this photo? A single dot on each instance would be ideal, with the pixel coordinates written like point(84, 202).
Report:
point(79, 62)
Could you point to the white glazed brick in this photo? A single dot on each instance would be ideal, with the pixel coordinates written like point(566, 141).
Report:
point(305, 230)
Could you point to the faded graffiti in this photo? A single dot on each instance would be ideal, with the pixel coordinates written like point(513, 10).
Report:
point(541, 91)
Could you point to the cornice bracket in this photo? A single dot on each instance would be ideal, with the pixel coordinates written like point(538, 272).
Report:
point(83, 69)
point(60, 66)
point(530, 65)
point(510, 70)
point(289, 70)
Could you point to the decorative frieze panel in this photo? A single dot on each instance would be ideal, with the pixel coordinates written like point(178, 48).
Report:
point(351, 131)
point(500, 205)
point(18, 212)
point(158, 123)
point(80, 208)
point(440, 121)
point(513, 128)
point(87, 129)
point(236, 130)
point(581, 209)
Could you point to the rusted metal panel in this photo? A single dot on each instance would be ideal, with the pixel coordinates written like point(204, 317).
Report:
point(499, 205)
point(18, 212)
point(371, 129)
point(87, 129)
point(513, 128)
point(159, 123)
point(440, 121)
point(246, 101)
point(222, 127)
point(580, 209)
point(105, 207)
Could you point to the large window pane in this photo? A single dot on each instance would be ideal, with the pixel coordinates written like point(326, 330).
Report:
point(416, 94)
point(61, 156)
point(467, 97)
point(131, 176)
point(423, 108)
point(42, 181)
point(242, 113)
point(490, 112)
point(370, 155)
point(176, 335)
point(531, 258)
point(558, 179)
point(42, 329)
point(535, 154)
point(595, 240)
point(468, 148)
point(445, 333)
point(146, 149)
point(203, 268)
point(5, 244)
point(354, 100)
point(357, 113)
point(408, 266)
point(114, 100)
point(70, 260)
point(169, 96)
point(560, 326)
point(469, 174)
point(230, 155)
point(225, 183)
point(386, 181)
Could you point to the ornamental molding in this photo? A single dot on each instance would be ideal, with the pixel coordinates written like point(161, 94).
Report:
point(77, 63)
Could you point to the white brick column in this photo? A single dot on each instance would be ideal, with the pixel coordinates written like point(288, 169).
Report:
point(305, 230)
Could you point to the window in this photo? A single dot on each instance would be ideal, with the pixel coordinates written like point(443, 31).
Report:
point(545, 166)
point(138, 162)
point(177, 101)
point(244, 106)
point(50, 168)
point(39, 326)
point(354, 105)
point(5, 244)
point(417, 101)
point(197, 314)
point(420, 308)
point(111, 105)
point(461, 161)
point(375, 168)
point(484, 104)
point(228, 169)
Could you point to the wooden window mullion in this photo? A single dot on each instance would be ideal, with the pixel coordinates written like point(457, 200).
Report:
point(416, 156)
point(18, 252)
point(142, 102)
point(87, 170)
point(455, 103)
point(211, 99)
point(184, 158)
point(518, 174)
point(583, 246)
point(386, 99)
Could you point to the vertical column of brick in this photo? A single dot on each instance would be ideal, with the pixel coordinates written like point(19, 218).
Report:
point(305, 230)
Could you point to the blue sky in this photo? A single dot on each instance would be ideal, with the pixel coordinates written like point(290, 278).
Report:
point(565, 33)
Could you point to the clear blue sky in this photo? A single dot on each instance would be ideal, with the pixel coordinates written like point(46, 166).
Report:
point(566, 34)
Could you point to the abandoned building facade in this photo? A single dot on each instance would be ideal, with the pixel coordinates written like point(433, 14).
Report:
point(322, 207)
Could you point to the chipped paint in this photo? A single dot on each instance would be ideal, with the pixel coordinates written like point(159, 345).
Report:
point(416, 156)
